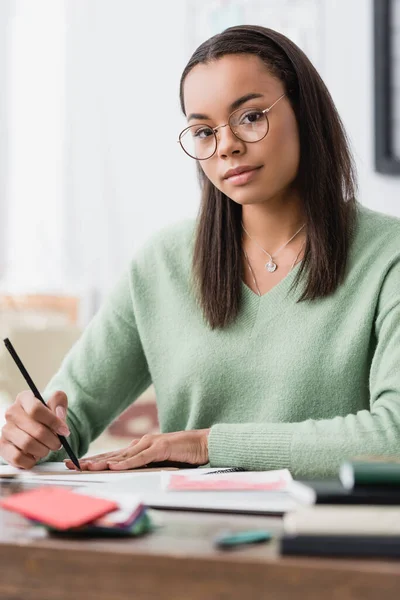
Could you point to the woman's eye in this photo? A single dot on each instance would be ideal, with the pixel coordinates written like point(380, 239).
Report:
point(203, 132)
point(251, 117)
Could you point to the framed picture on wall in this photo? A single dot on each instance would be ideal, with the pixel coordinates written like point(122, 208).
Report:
point(387, 86)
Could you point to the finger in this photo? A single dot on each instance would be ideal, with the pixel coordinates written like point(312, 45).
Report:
point(94, 463)
point(134, 462)
point(99, 462)
point(109, 454)
point(98, 465)
point(58, 404)
point(14, 456)
point(102, 464)
point(39, 432)
point(134, 448)
point(139, 445)
point(40, 413)
point(70, 465)
point(23, 441)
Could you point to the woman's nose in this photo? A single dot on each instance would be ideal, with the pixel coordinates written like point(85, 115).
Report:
point(227, 142)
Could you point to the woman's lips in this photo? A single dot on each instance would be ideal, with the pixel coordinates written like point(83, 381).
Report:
point(244, 177)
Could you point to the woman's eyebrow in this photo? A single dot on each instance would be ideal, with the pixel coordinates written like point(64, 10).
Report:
point(235, 104)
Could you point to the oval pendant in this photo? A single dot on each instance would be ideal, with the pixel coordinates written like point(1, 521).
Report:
point(270, 266)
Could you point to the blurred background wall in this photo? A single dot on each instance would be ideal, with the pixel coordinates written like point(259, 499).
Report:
point(89, 119)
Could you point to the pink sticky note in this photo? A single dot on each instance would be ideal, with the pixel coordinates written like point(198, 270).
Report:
point(236, 482)
point(58, 507)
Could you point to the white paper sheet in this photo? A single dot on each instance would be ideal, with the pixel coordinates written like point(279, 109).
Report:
point(58, 473)
point(149, 488)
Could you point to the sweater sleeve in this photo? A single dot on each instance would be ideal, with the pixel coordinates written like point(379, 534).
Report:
point(316, 448)
point(104, 372)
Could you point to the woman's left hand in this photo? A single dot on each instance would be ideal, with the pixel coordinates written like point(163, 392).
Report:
point(180, 446)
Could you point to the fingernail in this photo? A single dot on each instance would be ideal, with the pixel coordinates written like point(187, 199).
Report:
point(61, 412)
point(63, 430)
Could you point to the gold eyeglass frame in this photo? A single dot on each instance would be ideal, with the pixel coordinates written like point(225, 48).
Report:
point(215, 129)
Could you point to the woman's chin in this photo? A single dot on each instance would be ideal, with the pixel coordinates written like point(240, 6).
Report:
point(248, 198)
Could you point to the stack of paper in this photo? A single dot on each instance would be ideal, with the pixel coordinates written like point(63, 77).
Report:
point(246, 493)
point(215, 489)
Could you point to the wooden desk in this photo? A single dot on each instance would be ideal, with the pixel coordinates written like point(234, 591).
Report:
point(177, 562)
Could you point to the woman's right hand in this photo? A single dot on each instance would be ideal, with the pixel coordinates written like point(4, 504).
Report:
point(31, 428)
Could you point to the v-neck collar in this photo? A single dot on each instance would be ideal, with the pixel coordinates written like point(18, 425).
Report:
point(278, 290)
point(270, 304)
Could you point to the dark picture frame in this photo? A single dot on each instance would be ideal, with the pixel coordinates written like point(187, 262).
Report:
point(386, 161)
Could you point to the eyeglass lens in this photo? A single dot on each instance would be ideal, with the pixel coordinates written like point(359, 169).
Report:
point(200, 141)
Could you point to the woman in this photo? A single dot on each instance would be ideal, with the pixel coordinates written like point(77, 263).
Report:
point(270, 326)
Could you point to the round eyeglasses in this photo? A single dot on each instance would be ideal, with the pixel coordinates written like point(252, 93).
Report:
point(249, 125)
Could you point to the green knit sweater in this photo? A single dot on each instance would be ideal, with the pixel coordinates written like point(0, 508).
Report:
point(297, 385)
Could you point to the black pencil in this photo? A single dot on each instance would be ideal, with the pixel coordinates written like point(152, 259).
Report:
point(37, 395)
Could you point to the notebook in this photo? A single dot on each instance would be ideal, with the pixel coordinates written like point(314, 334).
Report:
point(331, 491)
point(324, 545)
point(57, 507)
point(323, 530)
point(343, 520)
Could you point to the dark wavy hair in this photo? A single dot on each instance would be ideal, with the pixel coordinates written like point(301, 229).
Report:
point(326, 181)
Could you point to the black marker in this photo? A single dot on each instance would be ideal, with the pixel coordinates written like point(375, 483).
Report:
point(37, 395)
